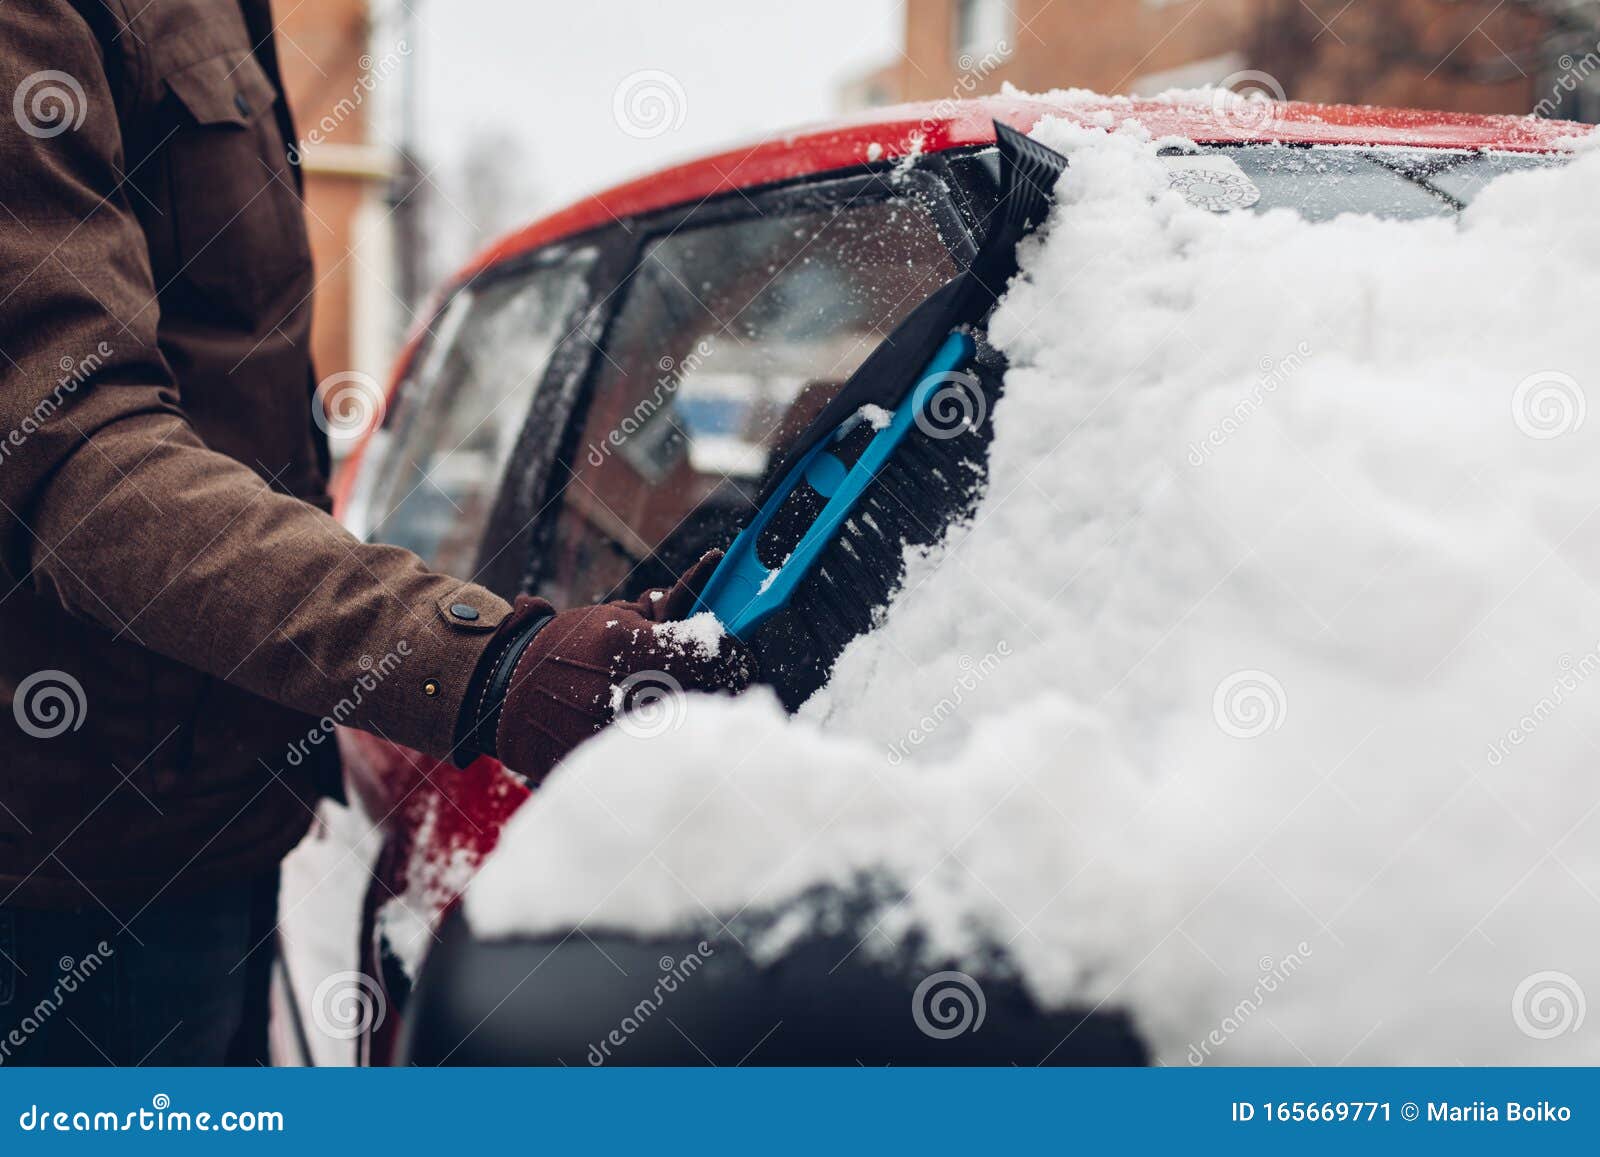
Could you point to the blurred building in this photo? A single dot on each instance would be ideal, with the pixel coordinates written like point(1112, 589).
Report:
point(1107, 45)
point(332, 70)
point(1481, 56)
point(1508, 56)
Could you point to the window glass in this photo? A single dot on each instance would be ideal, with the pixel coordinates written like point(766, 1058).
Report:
point(982, 28)
point(1467, 179)
point(1320, 183)
point(730, 337)
point(436, 467)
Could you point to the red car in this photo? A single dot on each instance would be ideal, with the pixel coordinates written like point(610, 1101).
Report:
point(575, 416)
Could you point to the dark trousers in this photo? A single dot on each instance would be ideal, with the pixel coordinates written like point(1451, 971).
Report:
point(185, 983)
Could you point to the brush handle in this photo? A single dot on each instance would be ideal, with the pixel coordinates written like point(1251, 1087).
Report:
point(743, 591)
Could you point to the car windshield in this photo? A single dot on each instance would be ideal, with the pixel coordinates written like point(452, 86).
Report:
point(1319, 183)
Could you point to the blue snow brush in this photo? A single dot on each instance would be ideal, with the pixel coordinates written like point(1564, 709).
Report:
point(744, 592)
point(877, 467)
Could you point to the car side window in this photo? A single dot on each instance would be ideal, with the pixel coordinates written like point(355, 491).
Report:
point(730, 337)
point(433, 472)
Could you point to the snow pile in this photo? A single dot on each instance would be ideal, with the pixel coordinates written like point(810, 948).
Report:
point(1258, 698)
point(699, 635)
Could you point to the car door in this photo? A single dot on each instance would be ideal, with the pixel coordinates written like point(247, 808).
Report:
point(433, 478)
point(738, 322)
point(645, 419)
point(441, 477)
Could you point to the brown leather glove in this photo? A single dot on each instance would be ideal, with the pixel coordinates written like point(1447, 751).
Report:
point(675, 603)
point(552, 680)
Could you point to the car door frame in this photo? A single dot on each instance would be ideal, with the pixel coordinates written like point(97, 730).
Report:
point(498, 563)
point(529, 508)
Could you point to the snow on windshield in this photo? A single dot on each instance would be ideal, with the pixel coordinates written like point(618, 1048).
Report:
point(1265, 678)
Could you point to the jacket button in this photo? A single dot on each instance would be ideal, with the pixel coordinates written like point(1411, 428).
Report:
point(431, 687)
point(242, 103)
point(465, 613)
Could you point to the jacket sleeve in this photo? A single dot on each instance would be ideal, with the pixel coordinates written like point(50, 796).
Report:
point(110, 503)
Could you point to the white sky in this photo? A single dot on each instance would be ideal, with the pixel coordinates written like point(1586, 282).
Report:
point(546, 73)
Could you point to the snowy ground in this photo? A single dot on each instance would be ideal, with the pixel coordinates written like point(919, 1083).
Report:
point(1274, 723)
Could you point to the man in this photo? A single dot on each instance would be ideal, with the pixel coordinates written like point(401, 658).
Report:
point(177, 603)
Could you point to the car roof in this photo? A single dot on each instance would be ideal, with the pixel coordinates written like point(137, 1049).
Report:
point(886, 134)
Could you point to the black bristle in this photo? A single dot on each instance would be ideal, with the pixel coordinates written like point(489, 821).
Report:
point(928, 485)
point(1034, 170)
point(1028, 175)
point(929, 482)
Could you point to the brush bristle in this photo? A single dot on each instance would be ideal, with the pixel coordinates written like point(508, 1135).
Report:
point(926, 486)
point(1029, 172)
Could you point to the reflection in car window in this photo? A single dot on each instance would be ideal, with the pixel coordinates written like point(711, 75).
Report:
point(435, 470)
point(730, 337)
point(1466, 179)
point(1320, 183)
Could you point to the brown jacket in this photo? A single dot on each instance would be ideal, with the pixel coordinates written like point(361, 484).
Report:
point(177, 609)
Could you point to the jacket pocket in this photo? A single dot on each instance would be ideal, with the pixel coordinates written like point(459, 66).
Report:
point(238, 224)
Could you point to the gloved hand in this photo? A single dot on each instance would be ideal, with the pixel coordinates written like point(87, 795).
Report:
point(552, 680)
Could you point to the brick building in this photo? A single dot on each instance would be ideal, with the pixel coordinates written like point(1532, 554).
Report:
point(1512, 56)
point(331, 70)
point(1106, 45)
